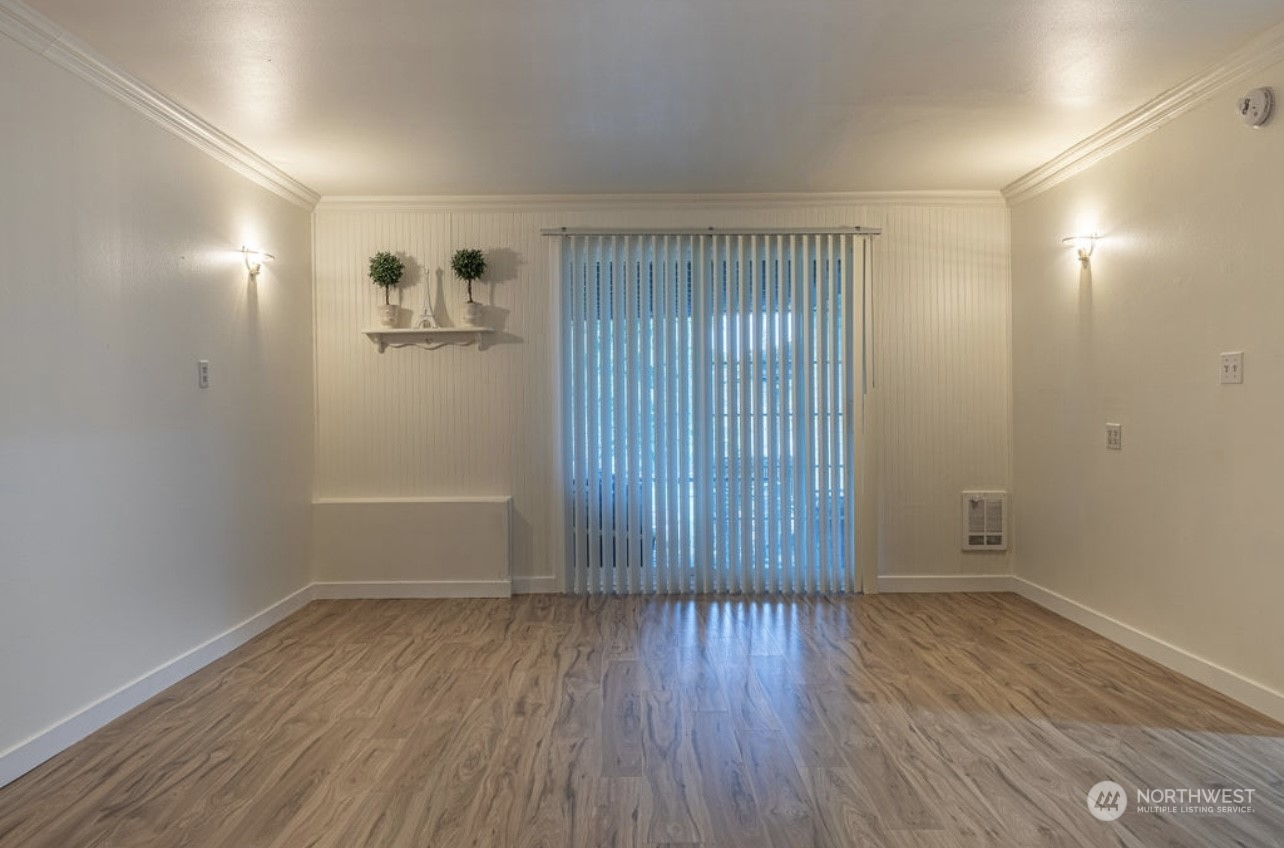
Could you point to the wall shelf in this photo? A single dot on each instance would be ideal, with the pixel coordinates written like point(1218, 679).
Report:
point(431, 339)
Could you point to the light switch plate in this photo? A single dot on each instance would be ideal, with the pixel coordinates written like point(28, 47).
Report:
point(1233, 367)
point(1114, 436)
point(203, 373)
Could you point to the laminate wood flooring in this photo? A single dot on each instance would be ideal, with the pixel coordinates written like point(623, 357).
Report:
point(908, 721)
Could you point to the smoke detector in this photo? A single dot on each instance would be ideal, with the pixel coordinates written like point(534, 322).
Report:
point(1256, 106)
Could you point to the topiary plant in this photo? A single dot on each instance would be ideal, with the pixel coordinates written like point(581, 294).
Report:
point(468, 264)
point(386, 271)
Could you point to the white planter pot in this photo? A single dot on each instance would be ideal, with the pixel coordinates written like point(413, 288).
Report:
point(474, 314)
point(388, 315)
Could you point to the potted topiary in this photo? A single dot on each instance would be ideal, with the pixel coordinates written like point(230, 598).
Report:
point(469, 264)
point(385, 272)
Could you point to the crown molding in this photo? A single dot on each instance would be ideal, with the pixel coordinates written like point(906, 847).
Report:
point(520, 202)
point(36, 32)
point(1259, 54)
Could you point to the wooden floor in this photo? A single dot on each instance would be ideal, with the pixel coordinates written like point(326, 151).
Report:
point(895, 720)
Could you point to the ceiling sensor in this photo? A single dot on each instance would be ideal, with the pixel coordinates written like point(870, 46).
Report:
point(1256, 106)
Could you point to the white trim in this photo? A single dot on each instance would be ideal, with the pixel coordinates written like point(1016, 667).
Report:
point(545, 585)
point(434, 203)
point(26, 755)
point(1248, 692)
point(945, 583)
point(1218, 678)
point(491, 499)
point(866, 434)
point(1259, 54)
point(352, 590)
point(558, 485)
point(856, 231)
point(36, 32)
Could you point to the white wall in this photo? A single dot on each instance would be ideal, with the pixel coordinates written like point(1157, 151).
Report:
point(1180, 534)
point(139, 515)
point(459, 421)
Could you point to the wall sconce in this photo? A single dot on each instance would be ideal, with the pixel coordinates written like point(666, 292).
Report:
point(1083, 244)
point(254, 260)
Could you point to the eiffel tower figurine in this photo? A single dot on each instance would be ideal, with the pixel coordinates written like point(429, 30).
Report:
point(427, 320)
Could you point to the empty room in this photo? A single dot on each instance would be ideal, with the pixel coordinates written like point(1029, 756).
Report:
point(435, 423)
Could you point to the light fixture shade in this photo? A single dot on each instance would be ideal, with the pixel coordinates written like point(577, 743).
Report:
point(1083, 244)
point(254, 259)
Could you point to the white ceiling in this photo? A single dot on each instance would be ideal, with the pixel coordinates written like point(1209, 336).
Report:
point(622, 96)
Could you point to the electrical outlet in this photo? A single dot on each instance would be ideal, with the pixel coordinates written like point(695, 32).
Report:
point(1114, 436)
point(1233, 367)
point(203, 373)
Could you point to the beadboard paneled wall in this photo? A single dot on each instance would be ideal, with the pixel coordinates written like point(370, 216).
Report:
point(466, 422)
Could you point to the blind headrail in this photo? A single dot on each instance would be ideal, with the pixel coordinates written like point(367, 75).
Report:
point(710, 231)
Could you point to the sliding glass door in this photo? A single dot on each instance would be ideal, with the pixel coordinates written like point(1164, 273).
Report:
point(706, 387)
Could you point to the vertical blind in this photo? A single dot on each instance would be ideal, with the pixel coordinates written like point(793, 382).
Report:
point(706, 383)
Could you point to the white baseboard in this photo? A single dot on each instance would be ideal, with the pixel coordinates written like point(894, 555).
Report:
point(26, 755)
point(30, 753)
point(1235, 686)
point(945, 583)
point(547, 585)
point(351, 590)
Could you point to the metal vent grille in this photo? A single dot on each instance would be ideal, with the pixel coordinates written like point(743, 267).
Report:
point(985, 521)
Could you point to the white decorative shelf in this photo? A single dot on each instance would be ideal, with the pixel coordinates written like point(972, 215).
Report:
point(427, 338)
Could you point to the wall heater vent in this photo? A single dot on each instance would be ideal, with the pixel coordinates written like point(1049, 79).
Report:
point(985, 521)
